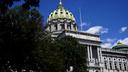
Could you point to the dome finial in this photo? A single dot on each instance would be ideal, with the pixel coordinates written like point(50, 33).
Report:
point(60, 2)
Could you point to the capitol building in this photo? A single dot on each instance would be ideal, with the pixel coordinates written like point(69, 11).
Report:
point(61, 22)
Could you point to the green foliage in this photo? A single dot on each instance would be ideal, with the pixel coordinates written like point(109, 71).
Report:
point(74, 54)
point(48, 55)
point(26, 4)
point(24, 45)
point(59, 54)
point(20, 30)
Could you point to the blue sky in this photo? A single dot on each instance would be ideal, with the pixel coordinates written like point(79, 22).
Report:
point(109, 15)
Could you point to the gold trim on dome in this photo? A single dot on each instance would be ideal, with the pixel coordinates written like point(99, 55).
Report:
point(60, 12)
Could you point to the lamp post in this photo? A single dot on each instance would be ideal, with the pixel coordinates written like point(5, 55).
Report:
point(70, 69)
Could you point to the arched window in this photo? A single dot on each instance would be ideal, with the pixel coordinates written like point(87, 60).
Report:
point(69, 27)
point(111, 65)
point(105, 64)
point(125, 66)
point(62, 26)
point(61, 12)
point(120, 66)
point(116, 66)
point(55, 26)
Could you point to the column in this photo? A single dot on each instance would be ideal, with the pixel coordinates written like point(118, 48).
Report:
point(66, 26)
point(98, 52)
point(72, 29)
point(88, 52)
point(113, 65)
point(118, 65)
point(127, 65)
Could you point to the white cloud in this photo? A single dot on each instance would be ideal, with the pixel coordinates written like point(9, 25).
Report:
point(123, 29)
point(109, 43)
point(110, 40)
point(97, 30)
point(106, 45)
point(84, 23)
point(123, 41)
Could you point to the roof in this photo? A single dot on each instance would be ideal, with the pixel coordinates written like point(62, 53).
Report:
point(61, 12)
point(120, 46)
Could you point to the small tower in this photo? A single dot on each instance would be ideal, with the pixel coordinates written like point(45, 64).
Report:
point(120, 46)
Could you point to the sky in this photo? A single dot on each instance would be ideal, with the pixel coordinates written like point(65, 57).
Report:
point(109, 18)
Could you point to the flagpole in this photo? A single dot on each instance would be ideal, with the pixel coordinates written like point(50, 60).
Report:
point(80, 19)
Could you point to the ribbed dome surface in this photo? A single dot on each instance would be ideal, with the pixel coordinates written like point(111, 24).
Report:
point(60, 12)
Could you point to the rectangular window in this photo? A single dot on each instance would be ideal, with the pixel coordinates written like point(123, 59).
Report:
point(62, 26)
point(94, 52)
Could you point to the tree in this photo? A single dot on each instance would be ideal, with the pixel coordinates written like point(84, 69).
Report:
point(4, 4)
point(48, 55)
point(19, 36)
point(74, 54)
point(24, 44)
point(57, 55)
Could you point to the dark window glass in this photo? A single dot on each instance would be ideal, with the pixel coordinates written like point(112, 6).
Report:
point(120, 66)
point(61, 12)
point(125, 67)
point(56, 13)
point(110, 65)
point(94, 52)
point(116, 67)
point(62, 26)
point(51, 14)
point(105, 65)
point(56, 26)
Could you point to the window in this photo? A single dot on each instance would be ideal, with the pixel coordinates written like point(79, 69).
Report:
point(61, 12)
point(56, 13)
point(71, 14)
point(62, 26)
point(55, 26)
point(105, 64)
point(66, 12)
point(69, 26)
point(51, 14)
point(110, 65)
point(120, 66)
point(125, 66)
point(74, 27)
point(94, 52)
point(116, 66)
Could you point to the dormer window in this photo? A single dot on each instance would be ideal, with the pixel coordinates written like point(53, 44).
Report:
point(56, 13)
point(61, 12)
point(51, 14)
point(66, 12)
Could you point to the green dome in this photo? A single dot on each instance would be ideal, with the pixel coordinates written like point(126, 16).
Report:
point(120, 46)
point(60, 12)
